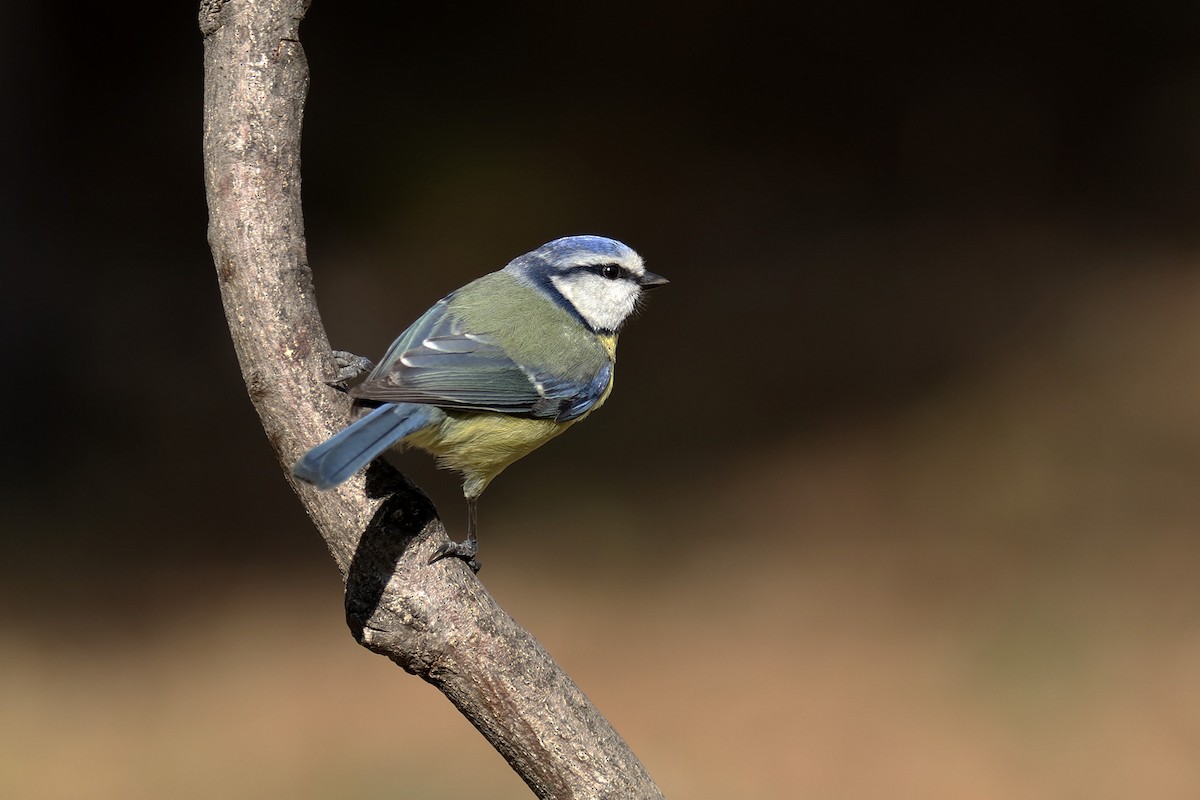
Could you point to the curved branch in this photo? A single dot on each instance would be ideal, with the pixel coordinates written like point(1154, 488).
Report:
point(436, 621)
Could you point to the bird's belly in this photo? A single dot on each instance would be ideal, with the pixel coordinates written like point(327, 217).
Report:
point(481, 444)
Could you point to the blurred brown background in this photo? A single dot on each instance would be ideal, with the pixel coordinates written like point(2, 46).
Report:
point(897, 495)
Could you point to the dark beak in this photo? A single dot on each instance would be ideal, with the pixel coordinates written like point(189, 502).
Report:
point(652, 281)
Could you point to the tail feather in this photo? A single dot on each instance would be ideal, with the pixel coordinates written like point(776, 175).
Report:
point(337, 458)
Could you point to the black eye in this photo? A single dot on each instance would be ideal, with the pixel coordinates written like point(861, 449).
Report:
point(610, 271)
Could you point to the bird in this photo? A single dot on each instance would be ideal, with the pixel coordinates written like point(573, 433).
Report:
point(495, 369)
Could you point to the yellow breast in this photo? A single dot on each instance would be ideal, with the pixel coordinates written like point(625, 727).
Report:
point(480, 444)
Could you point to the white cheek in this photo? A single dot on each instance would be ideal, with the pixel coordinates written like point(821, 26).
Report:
point(603, 303)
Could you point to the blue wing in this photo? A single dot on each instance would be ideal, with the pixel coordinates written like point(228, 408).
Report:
point(438, 362)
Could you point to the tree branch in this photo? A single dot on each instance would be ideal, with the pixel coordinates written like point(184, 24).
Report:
point(436, 621)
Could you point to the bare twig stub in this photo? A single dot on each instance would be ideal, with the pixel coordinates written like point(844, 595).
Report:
point(437, 620)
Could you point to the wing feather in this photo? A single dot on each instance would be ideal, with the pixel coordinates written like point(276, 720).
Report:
point(437, 362)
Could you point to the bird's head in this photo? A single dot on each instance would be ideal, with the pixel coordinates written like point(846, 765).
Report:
point(598, 279)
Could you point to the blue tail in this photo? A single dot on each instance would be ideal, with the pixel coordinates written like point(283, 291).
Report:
point(340, 456)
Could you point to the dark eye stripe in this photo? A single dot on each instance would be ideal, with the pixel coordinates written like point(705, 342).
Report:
point(610, 271)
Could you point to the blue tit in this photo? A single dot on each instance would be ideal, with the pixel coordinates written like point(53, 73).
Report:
point(495, 369)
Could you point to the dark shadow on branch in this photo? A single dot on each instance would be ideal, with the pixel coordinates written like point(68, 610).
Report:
point(404, 512)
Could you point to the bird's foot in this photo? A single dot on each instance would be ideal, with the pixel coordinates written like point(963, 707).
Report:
point(349, 367)
point(461, 550)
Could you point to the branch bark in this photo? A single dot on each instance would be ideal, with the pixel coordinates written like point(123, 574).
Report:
point(436, 621)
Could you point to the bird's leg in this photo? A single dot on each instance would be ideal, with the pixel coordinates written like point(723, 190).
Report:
point(349, 367)
point(464, 550)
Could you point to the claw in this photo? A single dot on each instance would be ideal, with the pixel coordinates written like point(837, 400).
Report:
point(461, 550)
point(349, 367)
point(464, 550)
